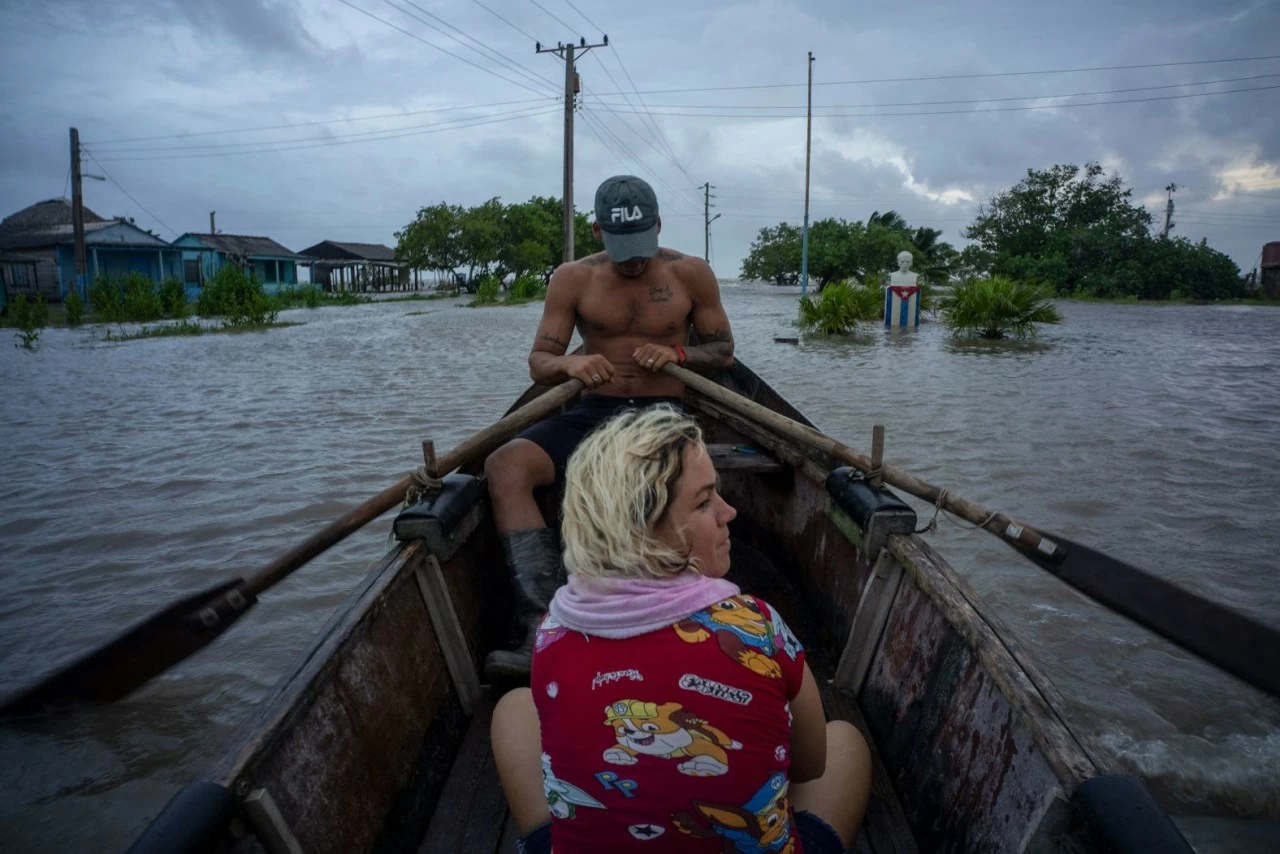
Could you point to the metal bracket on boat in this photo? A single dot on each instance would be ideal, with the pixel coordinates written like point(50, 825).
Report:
point(869, 621)
point(448, 631)
point(878, 512)
point(269, 825)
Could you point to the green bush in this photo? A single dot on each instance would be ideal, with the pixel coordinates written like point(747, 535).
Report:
point(30, 316)
point(141, 301)
point(173, 298)
point(840, 307)
point(527, 288)
point(74, 306)
point(107, 299)
point(994, 307)
point(238, 298)
point(487, 290)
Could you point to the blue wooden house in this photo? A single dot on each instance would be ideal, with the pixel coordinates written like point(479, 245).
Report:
point(204, 254)
point(37, 251)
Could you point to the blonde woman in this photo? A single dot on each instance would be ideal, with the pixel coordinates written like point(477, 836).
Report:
point(667, 710)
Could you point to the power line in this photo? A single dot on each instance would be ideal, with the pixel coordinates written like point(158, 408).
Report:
point(559, 21)
point(129, 195)
point(961, 101)
point(956, 76)
point(584, 17)
point(645, 139)
point(442, 50)
point(675, 194)
point(455, 124)
point(652, 121)
point(216, 146)
point(505, 21)
point(963, 112)
point(185, 134)
point(528, 73)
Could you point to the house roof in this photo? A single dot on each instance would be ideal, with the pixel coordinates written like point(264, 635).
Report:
point(44, 215)
point(356, 251)
point(54, 234)
point(245, 246)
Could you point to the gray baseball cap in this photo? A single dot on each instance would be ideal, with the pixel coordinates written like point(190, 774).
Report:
point(627, 211)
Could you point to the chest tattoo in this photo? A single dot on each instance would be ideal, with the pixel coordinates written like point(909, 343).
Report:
point(660, 293)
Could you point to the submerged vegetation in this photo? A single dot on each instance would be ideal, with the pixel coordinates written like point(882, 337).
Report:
point(996, 307)
point(237, 298)
point(30, 316)
point(839, 307)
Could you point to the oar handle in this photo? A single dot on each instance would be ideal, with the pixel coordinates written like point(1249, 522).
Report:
point(476, 447)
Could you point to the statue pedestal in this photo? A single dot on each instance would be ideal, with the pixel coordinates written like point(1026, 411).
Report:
point(902, 303)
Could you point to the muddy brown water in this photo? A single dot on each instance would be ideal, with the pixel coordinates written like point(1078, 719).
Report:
point(135, 472)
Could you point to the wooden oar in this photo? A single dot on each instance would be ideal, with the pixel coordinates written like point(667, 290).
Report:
point(1224, 637)
point(166, 638)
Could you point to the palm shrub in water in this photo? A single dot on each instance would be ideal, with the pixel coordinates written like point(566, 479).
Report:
point(107, 299)
point(997, 307)
point(74, 307)
point(173, 298)
point(139, 297)
point(30, 316)
point(840, 307)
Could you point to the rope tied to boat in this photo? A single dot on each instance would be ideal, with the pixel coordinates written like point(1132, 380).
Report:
point(932, 524)
point(423, 484)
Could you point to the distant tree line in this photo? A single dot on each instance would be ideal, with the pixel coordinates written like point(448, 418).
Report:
point(493, 239)
point(840, 250)
point(1070, 229)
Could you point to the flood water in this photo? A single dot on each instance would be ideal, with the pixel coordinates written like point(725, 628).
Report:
point(135, 472)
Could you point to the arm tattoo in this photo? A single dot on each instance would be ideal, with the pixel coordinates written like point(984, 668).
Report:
point(553, 339)
point(715, 351)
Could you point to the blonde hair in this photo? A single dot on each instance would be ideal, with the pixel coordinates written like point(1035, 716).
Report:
point(619, 484)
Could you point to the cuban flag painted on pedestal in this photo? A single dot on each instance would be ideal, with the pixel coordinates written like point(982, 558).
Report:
point(902, 306)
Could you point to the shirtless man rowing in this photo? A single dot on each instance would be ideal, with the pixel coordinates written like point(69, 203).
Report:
point(633, 305)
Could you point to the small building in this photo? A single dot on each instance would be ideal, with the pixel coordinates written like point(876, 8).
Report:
point(203, 255)
point(342, 266)
point(1270, 278)
point(37, 251)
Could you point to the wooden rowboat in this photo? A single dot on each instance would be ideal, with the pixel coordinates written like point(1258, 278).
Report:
point(376, 740)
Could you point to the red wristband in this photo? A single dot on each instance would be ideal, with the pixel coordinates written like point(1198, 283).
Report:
point(681, 358)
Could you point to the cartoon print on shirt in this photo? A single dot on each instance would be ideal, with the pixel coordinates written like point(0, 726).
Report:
point(761, 824)
point(667, 731)
point(549, 631)
point(742, 632)
point(563, 798)
point(784, 638)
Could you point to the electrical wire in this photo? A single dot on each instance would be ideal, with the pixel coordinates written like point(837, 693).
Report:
point(959, 101)
point(639, 163)
point(441, 49)
point(956, 76)
point(647, 140)
point(963, 112)
point(559, 21)
point(455, 124)
point(522, 32)
point(129, 195)
point(584, 17)
point(653, 122)
point(528, 73)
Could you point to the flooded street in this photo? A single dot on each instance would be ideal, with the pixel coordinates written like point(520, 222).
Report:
point(136, 472)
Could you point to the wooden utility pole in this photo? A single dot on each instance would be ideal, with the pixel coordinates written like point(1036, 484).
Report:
point(569, 53)
point(707, 219)
point(213, 228)
point(808, 145)
point(1168, 210)
point(77, 211)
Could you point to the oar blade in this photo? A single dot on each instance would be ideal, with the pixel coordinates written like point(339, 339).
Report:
point(140, 653)
point(1236, 643)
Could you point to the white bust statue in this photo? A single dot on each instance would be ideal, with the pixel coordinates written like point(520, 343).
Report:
point(903, 277)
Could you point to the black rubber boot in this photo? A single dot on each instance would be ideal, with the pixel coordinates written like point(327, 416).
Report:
point(534, 558)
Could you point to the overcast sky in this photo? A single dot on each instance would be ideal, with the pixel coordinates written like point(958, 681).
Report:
point(126, 69)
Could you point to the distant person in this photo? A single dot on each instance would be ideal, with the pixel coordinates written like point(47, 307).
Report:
point(665, 704)
point(633, 305)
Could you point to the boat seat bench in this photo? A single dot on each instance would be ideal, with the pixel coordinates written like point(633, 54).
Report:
point(472, 814)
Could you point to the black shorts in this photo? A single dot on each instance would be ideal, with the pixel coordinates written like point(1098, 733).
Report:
point(560, 434)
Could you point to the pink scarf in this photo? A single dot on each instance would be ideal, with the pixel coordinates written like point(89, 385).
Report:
point(626, 607)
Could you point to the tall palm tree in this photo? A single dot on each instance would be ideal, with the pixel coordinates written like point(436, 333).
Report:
point(888, 219)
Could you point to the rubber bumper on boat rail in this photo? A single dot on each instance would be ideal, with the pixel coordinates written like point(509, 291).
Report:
point(1124, 818)
point(193, 822)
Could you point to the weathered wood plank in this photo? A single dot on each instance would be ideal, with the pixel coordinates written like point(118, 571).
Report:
point(885, 830)
point(731, 458)
point(448, 632)
point(868, 622)
point(471, 812)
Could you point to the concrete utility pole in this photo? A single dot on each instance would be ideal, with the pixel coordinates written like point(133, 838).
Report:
point(213, 229)
point(707, 219)
point(569, 54)
point(808, 146)
point(77, 211)
point(1168, 210)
